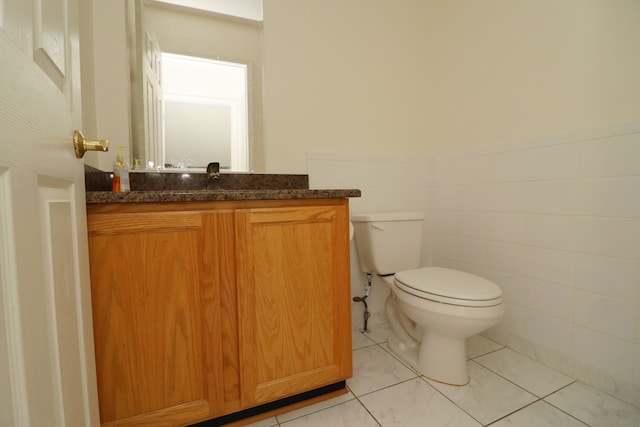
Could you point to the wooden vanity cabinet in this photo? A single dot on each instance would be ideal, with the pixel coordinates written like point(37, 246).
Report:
point(205, 309)
point(293, 300)
point(156, 292)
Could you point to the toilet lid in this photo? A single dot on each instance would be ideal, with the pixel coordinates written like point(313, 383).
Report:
point(449, 286)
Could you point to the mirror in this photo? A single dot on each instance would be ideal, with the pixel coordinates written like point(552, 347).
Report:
point(212, 113)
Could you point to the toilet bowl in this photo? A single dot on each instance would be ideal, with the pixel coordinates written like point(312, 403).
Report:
point(447, 307)
point(431, 310)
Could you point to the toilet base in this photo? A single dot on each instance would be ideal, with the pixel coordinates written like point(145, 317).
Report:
point(441, 359)
point(407, 354)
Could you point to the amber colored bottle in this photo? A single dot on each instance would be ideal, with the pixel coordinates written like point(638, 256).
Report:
point(115, 183)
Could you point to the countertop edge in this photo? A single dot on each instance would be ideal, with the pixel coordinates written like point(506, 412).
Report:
point(97, 197)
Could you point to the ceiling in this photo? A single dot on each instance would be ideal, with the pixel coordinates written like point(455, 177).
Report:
point(248, 9)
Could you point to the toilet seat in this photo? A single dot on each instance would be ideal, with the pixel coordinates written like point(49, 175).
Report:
point(449, 286)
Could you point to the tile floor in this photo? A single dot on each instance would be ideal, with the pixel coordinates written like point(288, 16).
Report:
point(506, 389)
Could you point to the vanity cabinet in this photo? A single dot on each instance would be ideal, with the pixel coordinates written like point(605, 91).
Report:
point(293, 300)
point(208, 308)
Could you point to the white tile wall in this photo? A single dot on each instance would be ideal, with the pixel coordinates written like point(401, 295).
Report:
point(611, 316)
point(637, 365)
point(506, 257)
point(388, 182)
point(552, 197)
point(562, 224)
point(513, 286)
point(549, 299)
point(554, 221)
point(507, 227)
point(549, 332)
point(608, 197)
point(472, 224)
point(610, 236)
point(612, 355)
point(551, 265)
point(553, 163)
point(507, 167)
point(509, 197)
point(610, 156)
point(552, 231)
point(617, 277)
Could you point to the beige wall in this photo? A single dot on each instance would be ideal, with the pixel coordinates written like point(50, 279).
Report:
point(437, 76)
point(517, 69)
point(415, 76)
point(345, 75)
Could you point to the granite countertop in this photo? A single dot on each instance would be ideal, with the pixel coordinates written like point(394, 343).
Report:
point(150, 187)
point(214, 195)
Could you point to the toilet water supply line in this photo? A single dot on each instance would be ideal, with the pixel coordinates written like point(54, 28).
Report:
point(367, 290)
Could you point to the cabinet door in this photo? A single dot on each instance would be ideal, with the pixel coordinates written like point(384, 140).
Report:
point(293, 296)
point(156, 323)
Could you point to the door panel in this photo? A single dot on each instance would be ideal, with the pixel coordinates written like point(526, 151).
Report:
point(46, 346)
point(62, 284)
point(156, 317)
point(50, 48)
point(293, 294)
point(13, 399)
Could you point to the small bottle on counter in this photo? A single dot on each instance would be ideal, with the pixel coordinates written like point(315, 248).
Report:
point(115, 182)
point(120, 173)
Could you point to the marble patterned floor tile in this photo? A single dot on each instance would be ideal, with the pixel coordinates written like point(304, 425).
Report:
point(527, 373)
point(374, 368)
point(269, 422)
point(594, 407)
point(478, 345)
point(379, 333)
point(488, 396)
point(348, 414)
point(415, 403)
point(359, 340)
point(386, 348)
point(297, 413)
point(540, 414)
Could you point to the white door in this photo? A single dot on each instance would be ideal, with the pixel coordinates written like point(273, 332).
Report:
point(47, 365)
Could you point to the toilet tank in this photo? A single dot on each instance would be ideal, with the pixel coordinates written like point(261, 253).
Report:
point(388, 242)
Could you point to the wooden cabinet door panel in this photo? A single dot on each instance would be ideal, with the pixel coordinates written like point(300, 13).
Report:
point(293, 294)
point(156, 321)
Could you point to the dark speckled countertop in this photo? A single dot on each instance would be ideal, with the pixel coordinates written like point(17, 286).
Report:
point(214, 195)
point(154, 187)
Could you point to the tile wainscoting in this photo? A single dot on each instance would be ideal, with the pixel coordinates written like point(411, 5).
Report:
point(554, 221)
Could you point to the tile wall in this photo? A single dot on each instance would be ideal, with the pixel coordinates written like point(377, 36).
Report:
point(555, 222)
point(388, 183)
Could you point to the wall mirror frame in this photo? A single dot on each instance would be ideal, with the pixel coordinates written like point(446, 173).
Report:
point(155, 27)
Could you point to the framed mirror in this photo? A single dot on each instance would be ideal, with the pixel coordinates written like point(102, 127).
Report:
point(196, 87)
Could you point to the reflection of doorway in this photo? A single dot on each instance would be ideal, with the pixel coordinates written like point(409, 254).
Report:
point(205, 112)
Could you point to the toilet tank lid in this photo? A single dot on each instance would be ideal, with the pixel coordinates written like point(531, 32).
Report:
point(387, 216)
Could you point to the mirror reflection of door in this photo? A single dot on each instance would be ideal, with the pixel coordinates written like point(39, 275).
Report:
point(205, 113)
point(213, 106)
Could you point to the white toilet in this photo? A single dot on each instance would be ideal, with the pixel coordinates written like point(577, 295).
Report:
point(431, 310)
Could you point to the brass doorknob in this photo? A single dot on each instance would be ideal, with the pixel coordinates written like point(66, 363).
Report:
point(81, 145)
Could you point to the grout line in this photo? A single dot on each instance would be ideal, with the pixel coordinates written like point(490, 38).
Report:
point(450, 400)
point(422, 378)
point(517, 410)
point(523, 387)
point(562, 410)
point(386, 387)
point(487, 353)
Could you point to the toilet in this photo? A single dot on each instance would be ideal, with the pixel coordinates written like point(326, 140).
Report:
point(431, 310)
